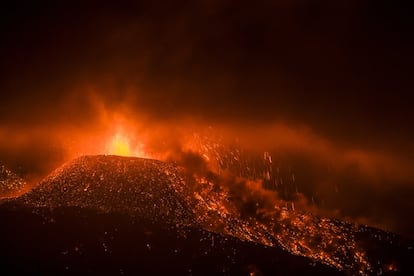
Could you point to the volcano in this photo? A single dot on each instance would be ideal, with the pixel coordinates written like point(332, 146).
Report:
point(127, 215)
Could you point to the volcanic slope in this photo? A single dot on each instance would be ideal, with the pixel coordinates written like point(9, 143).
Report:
point(160, 192)
point(112, 215)
point(10, 183)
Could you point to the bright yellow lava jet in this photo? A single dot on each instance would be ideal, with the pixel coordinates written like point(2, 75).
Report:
point(120, 145)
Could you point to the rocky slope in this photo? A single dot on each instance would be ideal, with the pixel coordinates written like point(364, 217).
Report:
point(10, 183)
point(161, 193)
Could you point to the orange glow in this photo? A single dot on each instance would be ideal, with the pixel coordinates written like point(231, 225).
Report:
point(120, 145)
point(123, 141)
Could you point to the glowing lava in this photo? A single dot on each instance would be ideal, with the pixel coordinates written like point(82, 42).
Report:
point(120, 145)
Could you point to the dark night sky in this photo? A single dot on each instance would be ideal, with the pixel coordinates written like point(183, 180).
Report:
point(342, 69)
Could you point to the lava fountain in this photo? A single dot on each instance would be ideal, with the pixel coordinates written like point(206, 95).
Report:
point(120, 145)
point(123, 144)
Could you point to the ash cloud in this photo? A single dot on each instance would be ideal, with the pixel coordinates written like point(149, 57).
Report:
point(332, 66)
